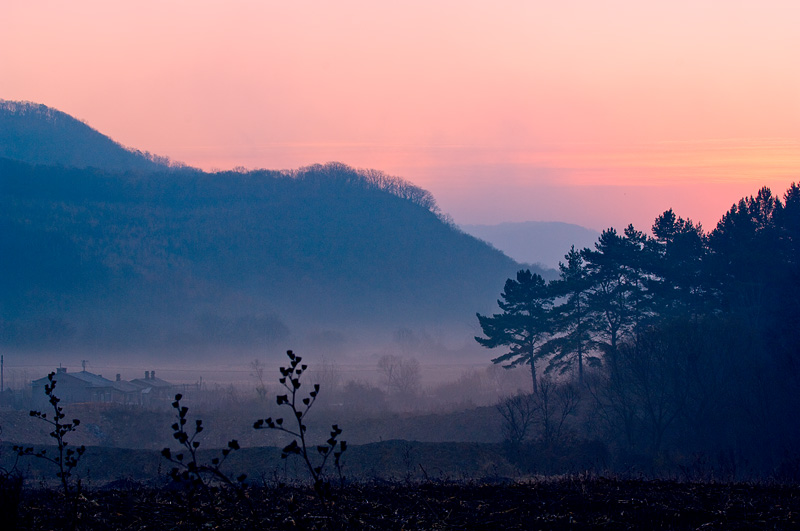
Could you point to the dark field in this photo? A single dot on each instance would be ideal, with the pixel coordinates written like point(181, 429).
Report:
point(387, 485)
point(566, 503)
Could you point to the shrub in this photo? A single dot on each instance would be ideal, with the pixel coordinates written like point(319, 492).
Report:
point(290, 379)
point(67, 459)
point(187, 467)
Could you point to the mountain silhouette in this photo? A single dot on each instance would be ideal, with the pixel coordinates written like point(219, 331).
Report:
point(100, 254)
point(535, 242)
point(37, 134)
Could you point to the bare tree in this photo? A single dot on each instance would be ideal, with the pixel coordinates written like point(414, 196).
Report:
point(553, 403)
point(257, 372)
point(401, 375)
point(650, 389)
point(329, 377)
point(518, 412)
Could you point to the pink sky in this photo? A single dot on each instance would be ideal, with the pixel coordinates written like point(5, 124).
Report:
point(597, 113)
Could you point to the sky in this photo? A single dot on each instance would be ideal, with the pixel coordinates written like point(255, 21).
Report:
point(595, 113)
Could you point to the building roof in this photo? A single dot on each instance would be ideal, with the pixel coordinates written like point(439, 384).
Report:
point(97, 381)
point(93, 380)
point(152, 382)
point(125, 387)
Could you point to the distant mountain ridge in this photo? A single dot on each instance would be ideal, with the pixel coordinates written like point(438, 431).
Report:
point(535, 242)
point(121, 256)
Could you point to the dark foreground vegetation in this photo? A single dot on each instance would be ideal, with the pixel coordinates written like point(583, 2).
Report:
point(565, 503)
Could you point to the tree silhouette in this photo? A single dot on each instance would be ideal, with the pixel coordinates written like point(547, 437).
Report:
point(679, 253)
point(524, 326)
point(571, 319)
point(617, 297)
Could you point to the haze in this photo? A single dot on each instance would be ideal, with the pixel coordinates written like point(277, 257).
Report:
point(592, 113)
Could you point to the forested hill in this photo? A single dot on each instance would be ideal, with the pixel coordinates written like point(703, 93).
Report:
point(37, 134)
point(95, 256)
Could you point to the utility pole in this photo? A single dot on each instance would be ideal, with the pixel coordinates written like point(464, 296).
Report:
point(2, 380)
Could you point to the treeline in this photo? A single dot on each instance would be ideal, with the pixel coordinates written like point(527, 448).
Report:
point(371, 179)
point(685, 344)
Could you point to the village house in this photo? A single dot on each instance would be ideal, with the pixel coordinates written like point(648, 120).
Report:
point(84, 386)
point(154, 389)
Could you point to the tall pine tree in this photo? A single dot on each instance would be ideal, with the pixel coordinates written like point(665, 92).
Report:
point(524, 326)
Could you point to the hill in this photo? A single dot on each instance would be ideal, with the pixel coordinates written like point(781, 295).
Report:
point(37, 134)
point(98, 258)
point(535, 242)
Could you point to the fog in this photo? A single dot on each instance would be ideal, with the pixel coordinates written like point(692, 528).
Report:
point(394, 391)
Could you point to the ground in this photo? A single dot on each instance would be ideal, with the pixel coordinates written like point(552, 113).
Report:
point(561, 503)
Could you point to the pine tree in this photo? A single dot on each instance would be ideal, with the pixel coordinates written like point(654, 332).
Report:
point(571, 321)
point(524, 326)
